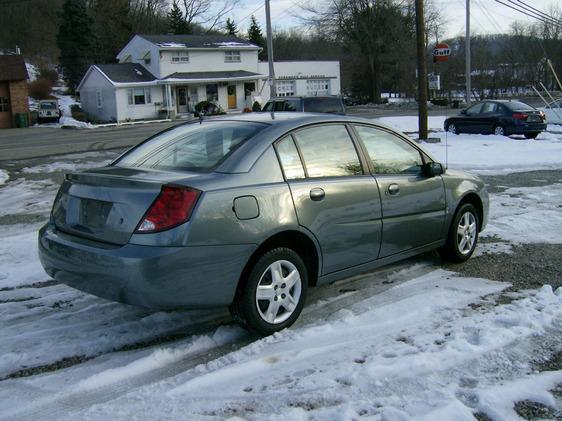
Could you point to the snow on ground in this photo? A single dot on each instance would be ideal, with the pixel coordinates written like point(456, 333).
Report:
point(486, 154)
point(4, 176)
point(73, 162)
point(27, 196)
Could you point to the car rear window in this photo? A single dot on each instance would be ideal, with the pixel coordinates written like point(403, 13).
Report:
point(518, 106)
point(191, 147)
point(323, 105)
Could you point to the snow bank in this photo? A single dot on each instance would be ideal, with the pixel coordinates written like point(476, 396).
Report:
point(409, 124)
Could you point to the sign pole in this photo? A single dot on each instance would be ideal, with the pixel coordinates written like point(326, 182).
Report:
point(467, 42)
point(273, 90)
point(422, 71)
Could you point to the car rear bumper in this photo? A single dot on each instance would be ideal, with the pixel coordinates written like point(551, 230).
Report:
point(148, 276)
point(527, 128)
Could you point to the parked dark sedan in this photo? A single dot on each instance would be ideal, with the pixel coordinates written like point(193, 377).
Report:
point(499, 117)
point(250, 211)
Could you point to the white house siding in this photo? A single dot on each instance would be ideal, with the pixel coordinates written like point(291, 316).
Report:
point(305, 75)
point(138, 111)
point(88, 97)
point(208, 61)
point(136, 48)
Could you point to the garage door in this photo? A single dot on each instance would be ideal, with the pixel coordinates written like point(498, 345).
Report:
point(5, 114)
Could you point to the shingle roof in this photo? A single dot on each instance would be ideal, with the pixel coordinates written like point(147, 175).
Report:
point(213, 75)
point(126, 72)
point(199, 41)
point(12, 67)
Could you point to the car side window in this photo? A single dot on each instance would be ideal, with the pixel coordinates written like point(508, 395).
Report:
point(279, 106)
point(489, 107)
point(289, 157)
point(328, 151)
point(388, 153)
point(475, 109)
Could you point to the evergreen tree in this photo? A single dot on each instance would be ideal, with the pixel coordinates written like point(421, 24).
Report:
point(231, 27)
point(255, 35)
point(176, 21)
point(76, 41)
point(113, 27)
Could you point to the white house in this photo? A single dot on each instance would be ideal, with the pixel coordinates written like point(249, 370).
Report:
point(166, 75)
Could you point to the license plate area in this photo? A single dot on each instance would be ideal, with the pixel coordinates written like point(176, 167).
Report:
point(533, 119)
point(94, 213)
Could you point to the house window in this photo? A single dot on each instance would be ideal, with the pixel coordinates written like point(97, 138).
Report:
point(232, 56)
point(99, 99)
point(4, 104)
point(212, 92)
point(180, 57)
point(286, 88)
point(139, 96)
point(316, 87)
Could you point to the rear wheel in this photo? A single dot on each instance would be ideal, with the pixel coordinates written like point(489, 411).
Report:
point(463, 235)
point(499, 130)
point(273, 295)
point(452, 128)
point(532, 135)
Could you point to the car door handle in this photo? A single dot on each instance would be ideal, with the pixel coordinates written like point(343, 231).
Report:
point(393, 189)
point(317, 194)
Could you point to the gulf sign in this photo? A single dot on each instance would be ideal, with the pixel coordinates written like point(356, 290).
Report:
point(441, 52)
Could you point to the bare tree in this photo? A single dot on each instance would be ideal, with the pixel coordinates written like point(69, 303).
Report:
point(207, 13)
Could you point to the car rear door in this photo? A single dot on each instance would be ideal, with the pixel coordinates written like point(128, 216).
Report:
point(335, 199)
point(489, 116)
point(413, 205)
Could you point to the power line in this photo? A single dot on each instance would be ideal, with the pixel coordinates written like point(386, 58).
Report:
point(515, 7)
point(540, 12)
point(489, 16)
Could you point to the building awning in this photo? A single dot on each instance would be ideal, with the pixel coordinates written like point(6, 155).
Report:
point(211, 77)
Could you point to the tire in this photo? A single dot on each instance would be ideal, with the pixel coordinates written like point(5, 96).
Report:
point(463, 235)
point(452, 128)
point(532, 135)
point(499, 130)
point(256, 314)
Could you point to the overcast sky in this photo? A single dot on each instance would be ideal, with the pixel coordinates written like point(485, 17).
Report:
point(487, 16)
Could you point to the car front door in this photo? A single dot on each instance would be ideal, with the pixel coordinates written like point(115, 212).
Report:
point(469, 121)
point(413, 205)
point(335, 199)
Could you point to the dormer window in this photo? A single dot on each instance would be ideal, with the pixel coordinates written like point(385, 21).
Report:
point(232, 56)
point(180, 57)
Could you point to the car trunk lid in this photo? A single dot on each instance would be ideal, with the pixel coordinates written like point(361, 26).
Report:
point(107, 204)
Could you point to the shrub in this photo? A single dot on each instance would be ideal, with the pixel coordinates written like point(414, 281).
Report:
point(40, 89)
point(256, 107)
point(48, 74)
point(207, 108)
point(247, 110)
point(78, 113)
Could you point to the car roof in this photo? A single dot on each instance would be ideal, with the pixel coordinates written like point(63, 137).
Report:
point(304, 96)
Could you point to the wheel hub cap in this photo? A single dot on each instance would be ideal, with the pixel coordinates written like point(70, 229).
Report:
point(466, 233)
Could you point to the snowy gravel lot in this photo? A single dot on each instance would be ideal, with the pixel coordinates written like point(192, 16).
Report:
point(415, 340)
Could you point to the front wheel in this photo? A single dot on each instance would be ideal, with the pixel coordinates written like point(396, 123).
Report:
point(463, 235)
point(452, 128)
point(273, 295)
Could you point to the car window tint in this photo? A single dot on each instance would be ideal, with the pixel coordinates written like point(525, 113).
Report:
point(191, 147)
point(323, 105)
point(489, 107)
point(388, 153)
point(475, 109)
point(328, 151)
point(279, 105)
point(518, 106)
point(289, 157)
point(291, 105)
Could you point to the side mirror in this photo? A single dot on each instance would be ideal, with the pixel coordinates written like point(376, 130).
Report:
point(463, 112)
point(432, 169)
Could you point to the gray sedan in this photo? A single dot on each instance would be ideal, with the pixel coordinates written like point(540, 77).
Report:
point(250, 211)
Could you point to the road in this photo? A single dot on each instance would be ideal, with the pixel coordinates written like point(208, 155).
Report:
point(36, 142)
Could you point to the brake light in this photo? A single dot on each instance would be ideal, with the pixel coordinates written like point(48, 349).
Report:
point(172, 207)
point(520, 116)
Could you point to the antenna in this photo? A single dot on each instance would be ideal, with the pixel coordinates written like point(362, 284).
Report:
point(446, 142)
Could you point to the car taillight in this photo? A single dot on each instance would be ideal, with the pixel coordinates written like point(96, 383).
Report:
point(172, 207)
point(520, 116)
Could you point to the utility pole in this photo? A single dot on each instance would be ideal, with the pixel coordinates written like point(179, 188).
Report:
point(422, 71)
point(273, 89)
point(467, 42)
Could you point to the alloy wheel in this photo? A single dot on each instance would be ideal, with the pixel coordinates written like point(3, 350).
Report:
point(278, 292)
point(499, 131)
point(466, 233)
point(452, 128)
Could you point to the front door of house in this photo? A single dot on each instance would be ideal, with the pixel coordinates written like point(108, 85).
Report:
point(5, 114)
point(231, 96)
point(182, 100)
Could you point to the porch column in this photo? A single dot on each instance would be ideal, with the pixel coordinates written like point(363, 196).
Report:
point(168, 98)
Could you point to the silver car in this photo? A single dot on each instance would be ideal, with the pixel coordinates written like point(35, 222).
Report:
point(250, 211)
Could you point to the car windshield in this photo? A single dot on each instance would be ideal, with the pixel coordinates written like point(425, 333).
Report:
point(191, 147)
point(48, 105)
point(518, 106)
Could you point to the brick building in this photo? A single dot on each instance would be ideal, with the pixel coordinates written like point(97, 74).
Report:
point(13, 89)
